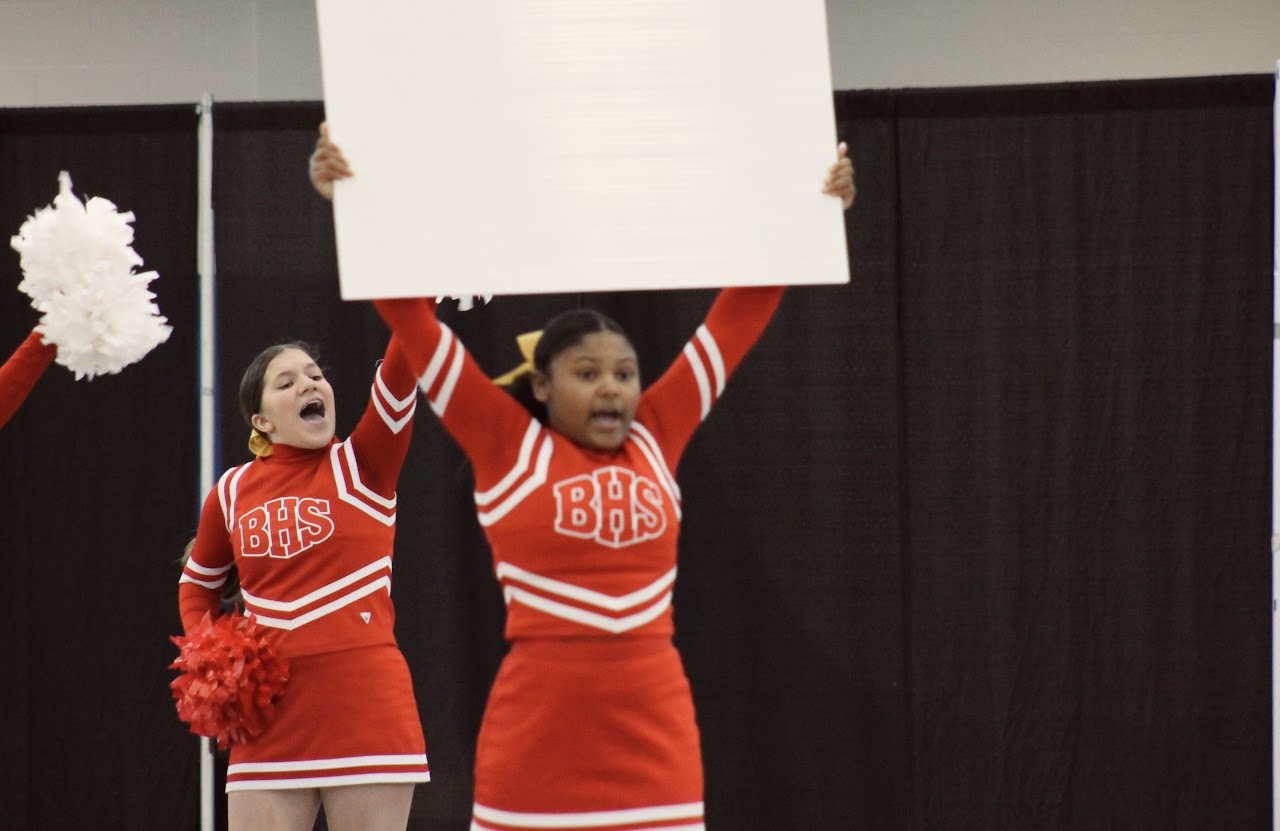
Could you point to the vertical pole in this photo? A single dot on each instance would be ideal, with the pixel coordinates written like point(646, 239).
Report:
point(1275, 476)
point(207, 385)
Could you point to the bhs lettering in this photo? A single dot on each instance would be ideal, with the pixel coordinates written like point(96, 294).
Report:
point(285, 527)
point(612, 505)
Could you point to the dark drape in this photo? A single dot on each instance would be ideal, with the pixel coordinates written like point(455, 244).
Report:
point(976, 541)
point(1084, 309)
point(97, 488)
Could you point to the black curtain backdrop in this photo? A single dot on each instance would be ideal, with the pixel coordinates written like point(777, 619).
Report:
point(977, 541)
point(1084, 284)
point(97, 490)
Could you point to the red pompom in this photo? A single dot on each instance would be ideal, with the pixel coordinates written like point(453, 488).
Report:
point(230, 679)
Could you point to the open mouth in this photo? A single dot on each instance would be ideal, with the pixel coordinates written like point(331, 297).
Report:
point(606, 417)
point(313, 411)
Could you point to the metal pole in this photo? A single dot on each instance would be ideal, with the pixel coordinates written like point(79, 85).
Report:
point(207, 384)
point(1275, 476)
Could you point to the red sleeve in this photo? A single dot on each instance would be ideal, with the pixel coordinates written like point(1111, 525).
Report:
point(676, 403)
point(481, 417)
point(205, 572)
point(20, 373)
point(381, 439)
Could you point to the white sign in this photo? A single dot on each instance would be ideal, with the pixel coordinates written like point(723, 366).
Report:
point(525, 146)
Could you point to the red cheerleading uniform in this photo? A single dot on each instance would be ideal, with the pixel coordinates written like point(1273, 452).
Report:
point(311, 534)
point(590, 723)
point(20, 373)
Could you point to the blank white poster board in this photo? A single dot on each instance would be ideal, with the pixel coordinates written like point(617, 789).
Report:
point(527, 146)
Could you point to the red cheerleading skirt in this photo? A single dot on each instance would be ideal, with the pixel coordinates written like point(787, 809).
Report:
point(587, 734)
point(346, 718)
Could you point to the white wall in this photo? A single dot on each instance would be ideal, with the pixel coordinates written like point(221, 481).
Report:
point(71, 52)
point(935, 43)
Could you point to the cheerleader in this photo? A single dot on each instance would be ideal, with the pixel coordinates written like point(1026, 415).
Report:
point(309, 527)
point(590, 722)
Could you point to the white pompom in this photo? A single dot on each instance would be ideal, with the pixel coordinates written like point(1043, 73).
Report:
point(78, 269)
point(466, 302)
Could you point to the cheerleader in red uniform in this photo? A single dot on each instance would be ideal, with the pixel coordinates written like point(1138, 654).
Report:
point(20, 373)
point(309, 526)
point(590, 722)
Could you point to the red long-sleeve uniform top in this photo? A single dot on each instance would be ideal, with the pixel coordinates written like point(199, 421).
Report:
point(311, 531)
point(20, 373)
point(584, 542)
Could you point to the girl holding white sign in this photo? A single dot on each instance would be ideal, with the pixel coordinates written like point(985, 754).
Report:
point(590, 722)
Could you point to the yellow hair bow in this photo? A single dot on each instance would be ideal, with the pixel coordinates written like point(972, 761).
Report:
point(527, 342)
point(259, 445)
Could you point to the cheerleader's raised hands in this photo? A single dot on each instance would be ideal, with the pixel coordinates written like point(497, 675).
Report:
point(839, 181)
point(327, 164)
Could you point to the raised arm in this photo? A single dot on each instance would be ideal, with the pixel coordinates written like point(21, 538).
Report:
point(480, 416)
point(20, 373)
point(380, 440)
point(676, 403)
